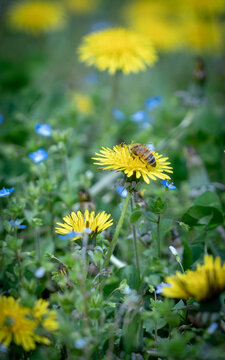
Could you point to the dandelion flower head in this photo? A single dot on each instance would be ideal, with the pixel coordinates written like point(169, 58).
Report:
point(36, 17)
point(19, 324)
point(157, 21)
point(204, 283)
point(78, 222)
point(83, 103)
point(45, 317)
point(81, 7)
point(120, 158)
point(117, 49)
point(207, 7)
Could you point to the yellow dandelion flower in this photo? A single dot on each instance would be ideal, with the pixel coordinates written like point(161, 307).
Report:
point(120, 159)
point(208, 7)
point(45, 317)
point(83, 103)
point(117, 49)
point(204, 283)
point(36, 17)
point(78, 222)
point(15, 325)
point(82, 7)
point(202, 35)
point(158, 20)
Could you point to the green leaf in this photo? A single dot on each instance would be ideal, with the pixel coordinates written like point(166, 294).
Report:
point(149, 324)
point(135, 216)
point(130, 274)
point(206, 211)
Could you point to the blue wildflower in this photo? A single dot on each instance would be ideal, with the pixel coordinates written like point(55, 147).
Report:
point(117, 114)
point(153, 102)
point(6, 192)
point(100, 25)
point(17, 224)
point(139, 116)
point(70, 235)
point(122, 191)
point(43, 129)
point(212, 328)
point(1, 118)
point(167, 185)
point(38, 155)
point(39, 273)
point(161, 286)
point(91, 78)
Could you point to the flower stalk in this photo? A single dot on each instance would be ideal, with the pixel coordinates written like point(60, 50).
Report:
point(117, 232)
point(135, 242)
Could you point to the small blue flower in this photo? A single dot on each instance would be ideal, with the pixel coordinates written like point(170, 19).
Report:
point(43, 129)
point(100, 25)
point(3, 348)
point(81, 343)
point(152, 103)
point(70, 235)
point(139, 116)
point(117, 114)
point(167, 185)
point(122, 191)
point(91, 78)
point(212, 328)
point(39, 273)
point(161, 286)
point(17, 224)
point(1, 118)
point(38, 155)
point(6, 192)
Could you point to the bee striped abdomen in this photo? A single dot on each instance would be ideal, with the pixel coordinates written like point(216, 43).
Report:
point(143, 153)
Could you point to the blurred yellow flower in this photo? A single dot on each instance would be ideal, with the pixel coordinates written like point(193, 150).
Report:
point(78, 222)
point(82, 6)
point(202, 35)
point(84, 103)
point(120, 159)
point(117, 49)
point(36, 17)
point(208, 7)
point(19, 324)
point(204, 283)
point(15, 325)
point(45, 317)
point(156, 19)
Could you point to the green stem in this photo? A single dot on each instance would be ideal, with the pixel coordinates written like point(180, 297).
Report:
point(112, 99)
point(158, 237)
point(65, 160)
point(156, 334)
point(135, 243)
point(37, 243)
point(18, 264)
point(116, 234)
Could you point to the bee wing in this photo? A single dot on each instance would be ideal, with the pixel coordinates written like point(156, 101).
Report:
point(150, 146)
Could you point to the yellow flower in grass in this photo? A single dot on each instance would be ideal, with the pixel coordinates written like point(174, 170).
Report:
point(15, 325)
point(158, 20)
point(204, 283)
point(117, 49)
point(120, 158)
point(19, 324)
point(83, 103)
point(45, 317)
point(81, 7)
point(78, 222)
point(208, 7)
point(203, 35)
point(36, 17)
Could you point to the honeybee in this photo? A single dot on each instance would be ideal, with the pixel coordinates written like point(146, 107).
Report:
point(144, 153)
